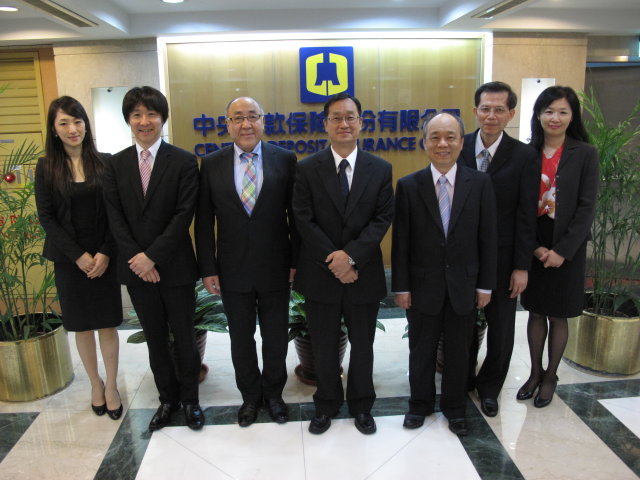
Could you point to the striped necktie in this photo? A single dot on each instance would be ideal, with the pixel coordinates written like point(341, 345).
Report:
point(145, 170)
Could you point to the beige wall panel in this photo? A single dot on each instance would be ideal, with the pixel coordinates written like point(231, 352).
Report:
point(389, 75)
point(83, 66)
point(518, 56)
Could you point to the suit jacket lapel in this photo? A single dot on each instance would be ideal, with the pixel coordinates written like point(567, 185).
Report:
point(569, 145)
point(428, 193)
point(160, 164)
point(133, 173)
point(502, 153)
point(268, 166)
point(460, 193)
point(361, 176)
point(469, 150)
point(327, 173)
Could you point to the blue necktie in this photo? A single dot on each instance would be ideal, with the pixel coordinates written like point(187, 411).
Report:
point(444, 203)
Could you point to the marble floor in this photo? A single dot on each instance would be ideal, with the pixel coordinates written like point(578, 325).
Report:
point(590, 431)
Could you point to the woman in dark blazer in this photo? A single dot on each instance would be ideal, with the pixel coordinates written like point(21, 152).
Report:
point(568, 193)
point(71, 210)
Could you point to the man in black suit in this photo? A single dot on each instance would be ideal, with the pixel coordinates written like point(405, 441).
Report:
point(513, 168)
point(443, 266)
point(247, 188)
point(151, 190)
point(343, 205)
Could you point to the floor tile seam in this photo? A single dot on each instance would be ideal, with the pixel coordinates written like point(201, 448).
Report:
point(431, 420)
point(304, 452)
point(137, 390)
point(174, 440)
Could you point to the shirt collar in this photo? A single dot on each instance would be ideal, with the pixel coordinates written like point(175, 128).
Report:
point(451, 174)
point(351, 158)
point(257, 150)
point(492, 148)
point(153, 149)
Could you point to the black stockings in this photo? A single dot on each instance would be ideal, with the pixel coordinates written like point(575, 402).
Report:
point(537, 329)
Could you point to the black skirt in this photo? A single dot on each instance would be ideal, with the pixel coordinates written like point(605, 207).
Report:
point(555, 292)
point(88, 304)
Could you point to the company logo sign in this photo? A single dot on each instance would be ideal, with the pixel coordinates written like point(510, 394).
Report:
point(325, 71)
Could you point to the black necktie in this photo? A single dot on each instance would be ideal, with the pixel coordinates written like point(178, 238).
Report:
point(344, 182)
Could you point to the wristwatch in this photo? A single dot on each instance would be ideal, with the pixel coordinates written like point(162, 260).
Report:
point(351, 261)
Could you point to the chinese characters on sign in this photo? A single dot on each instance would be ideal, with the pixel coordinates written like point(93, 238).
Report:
point(407, 122)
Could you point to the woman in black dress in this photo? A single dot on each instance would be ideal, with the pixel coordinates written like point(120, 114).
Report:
point(568, 194)
point(71, 210)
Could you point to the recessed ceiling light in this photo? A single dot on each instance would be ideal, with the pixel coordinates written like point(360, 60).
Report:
point(8, 9)
point(173, 1)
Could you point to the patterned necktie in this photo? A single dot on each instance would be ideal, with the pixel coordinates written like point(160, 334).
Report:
point(344, 181)
point(249, 182)
point(444, 203)
point(145, 170)
point(484, 160)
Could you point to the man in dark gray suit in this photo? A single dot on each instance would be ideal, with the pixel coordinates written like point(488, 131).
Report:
point(150, 192)
point(515, 174)
point(247, 188)
point(343, 205)
point(443, 267)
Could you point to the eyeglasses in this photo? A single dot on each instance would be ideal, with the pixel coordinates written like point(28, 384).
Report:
point(338, 120)
point(495, 110)
point(240, 119)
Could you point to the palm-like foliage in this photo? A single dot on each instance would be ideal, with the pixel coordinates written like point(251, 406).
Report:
point(616, 227)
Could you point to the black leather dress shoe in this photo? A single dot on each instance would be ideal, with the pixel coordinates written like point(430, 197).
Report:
point(163, 415)
point(412, 421)
point(458, 426)
point(194, 416)
point(319, 424)
point(489, 406)
point(277, 410)
point(365, 423)
point(248, 413)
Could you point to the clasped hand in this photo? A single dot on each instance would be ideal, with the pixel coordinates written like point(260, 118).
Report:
point(338, 263)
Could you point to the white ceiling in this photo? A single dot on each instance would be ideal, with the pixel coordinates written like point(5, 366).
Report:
point(120, 19)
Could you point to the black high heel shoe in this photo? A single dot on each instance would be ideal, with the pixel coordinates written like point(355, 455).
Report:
point(527, 394)
point(540, 402)
point(117, 413)
point(99, 409)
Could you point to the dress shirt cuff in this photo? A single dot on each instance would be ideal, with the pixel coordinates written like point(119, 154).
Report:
point(482, 290)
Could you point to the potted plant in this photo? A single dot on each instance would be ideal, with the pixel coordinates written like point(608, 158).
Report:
point(606, 337)
point(208, 317)
point(299, 333)
point(35, 360)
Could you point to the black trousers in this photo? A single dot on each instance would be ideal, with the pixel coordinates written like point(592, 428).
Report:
point(163, 309)
point(324, 331)
point(272, 310)
point(424, 333)
point(501, 317)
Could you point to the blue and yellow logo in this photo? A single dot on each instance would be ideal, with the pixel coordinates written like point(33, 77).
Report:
point(325, 71)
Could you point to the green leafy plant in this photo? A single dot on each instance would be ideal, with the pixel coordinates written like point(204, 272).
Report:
point(615, 244)
point(27, 284)
point(208, 315)
point(298, 326)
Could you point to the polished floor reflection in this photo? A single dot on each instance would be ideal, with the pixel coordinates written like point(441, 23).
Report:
point(590, 431)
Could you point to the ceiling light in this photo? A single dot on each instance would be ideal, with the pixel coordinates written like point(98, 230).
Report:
point(8, 9)
point(173, 1)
